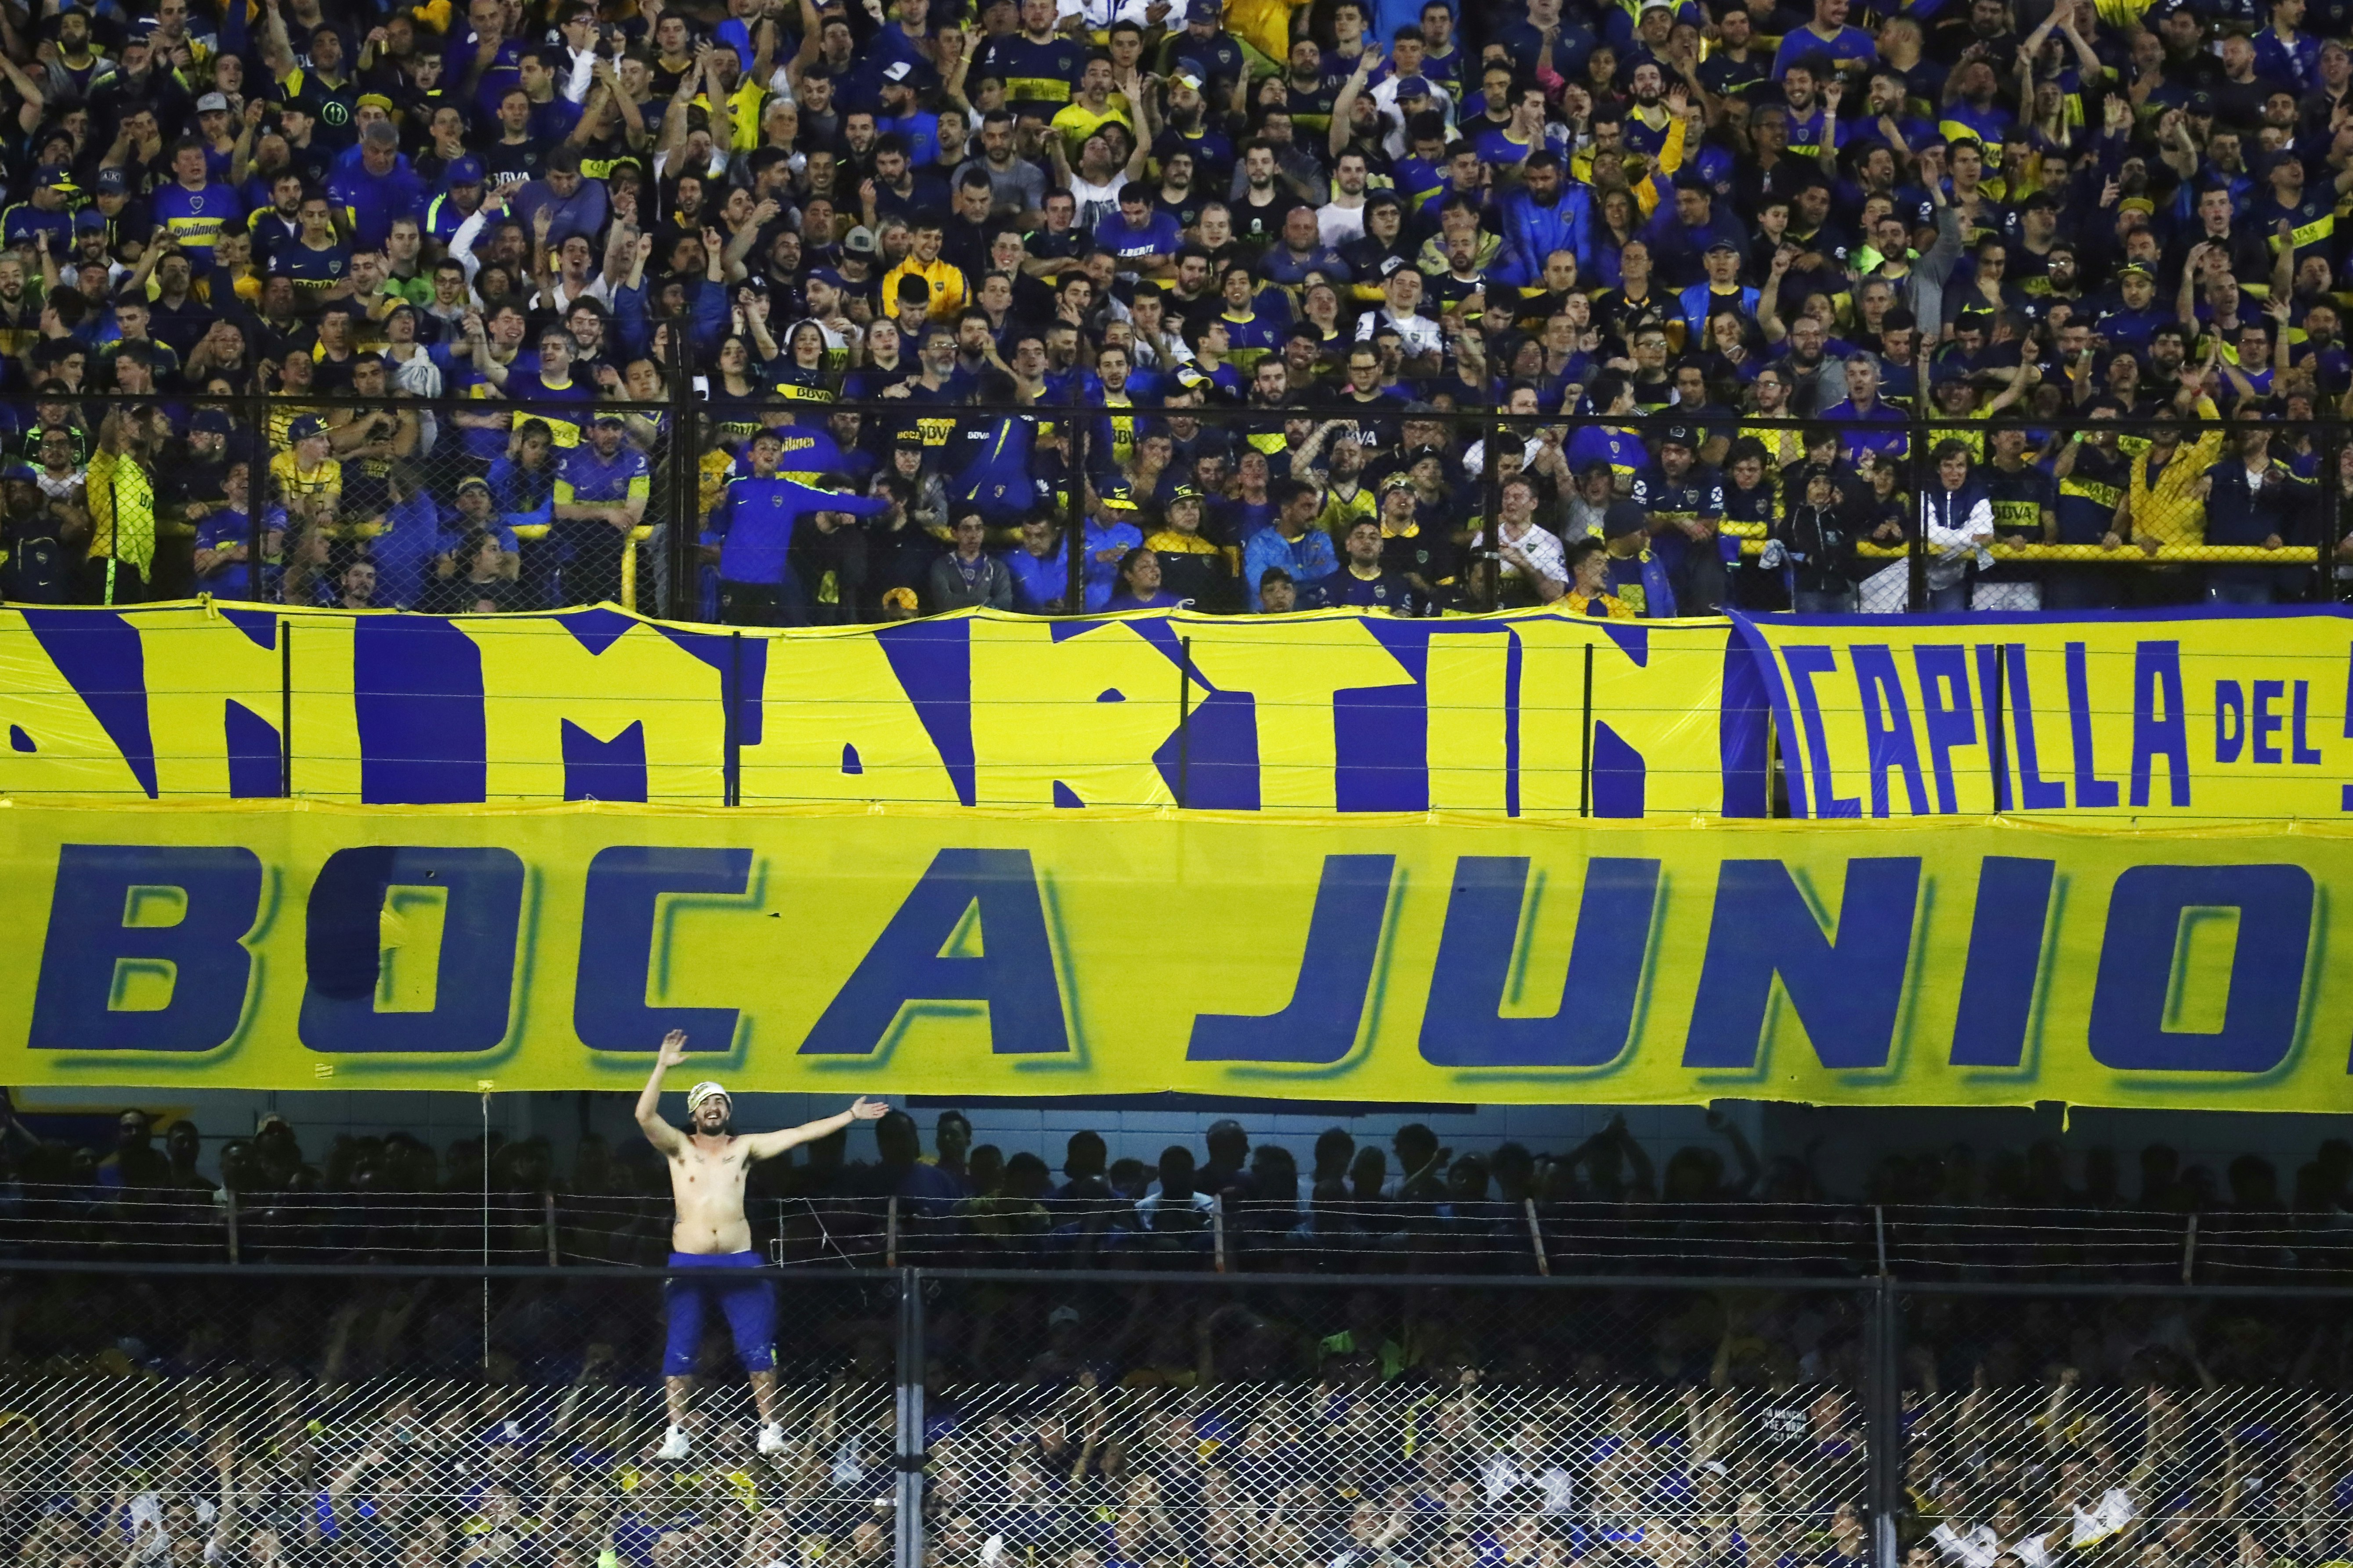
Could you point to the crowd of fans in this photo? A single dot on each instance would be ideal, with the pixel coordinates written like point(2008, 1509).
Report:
point(291, 1419)
point(950, 293)
point(1414, 1204)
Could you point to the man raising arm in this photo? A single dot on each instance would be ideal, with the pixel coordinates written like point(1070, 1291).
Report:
point(709, 1237)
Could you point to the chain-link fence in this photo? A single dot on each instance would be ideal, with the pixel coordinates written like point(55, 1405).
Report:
point(518, 495)
point(406, 1415)
point(372, 499)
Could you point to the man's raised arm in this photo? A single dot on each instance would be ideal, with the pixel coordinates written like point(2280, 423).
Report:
point(768, 1146)
point(660, 1134)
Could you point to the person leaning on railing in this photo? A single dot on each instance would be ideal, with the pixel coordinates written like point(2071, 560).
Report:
point(2165, 499)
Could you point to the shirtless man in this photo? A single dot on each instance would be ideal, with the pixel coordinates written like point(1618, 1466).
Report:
point(707, 1168)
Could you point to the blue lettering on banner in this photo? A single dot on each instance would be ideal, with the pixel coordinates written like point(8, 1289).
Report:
point(1887, 728)
point(1320, 1024)
point(2301, 751)
point(1945, 711)
point(1464, 1027)
point(2092, 791)
point(2229, 721)
point(1805, 663)
point(1989, 689)
point(107, 928)
point(1846, 989)
point(1012, 974)
point(2005, 960)
point(2157, 679)
point(2267, 723)
point(474, 972)
point(2035, 793)
point(2128, 1027)
point(619, 948)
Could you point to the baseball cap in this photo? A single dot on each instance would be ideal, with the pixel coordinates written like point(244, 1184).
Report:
point(90, 220)
point(826, 276)
point(859, 242)
point(1413, 87)
point(303, 428)
point(1721, 244)
point(2202, 103)
point(54, 177)
point(1679, 436)
point(2135, 266)
point(1187, 79)
point(897, 71)
point(1623, 518)
point(1202, 11)
point(609, 416)
point(707, 1090)
point(474, 484)
point(23, 471)
point(210, 422)
point(1651, 5)
point(213, 103)
point(1184, 492)
point(463, 172)
point(111, 183)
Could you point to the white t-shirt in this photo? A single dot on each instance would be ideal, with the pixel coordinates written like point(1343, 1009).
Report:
point(1338, 221)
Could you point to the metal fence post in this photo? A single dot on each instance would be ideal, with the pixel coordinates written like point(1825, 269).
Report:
point(256, 491)
point(2332, 515)
point(1884, 1418)
point(686, 485)
point(1491, 538)
point(1923, 471)
point(907, 1534)
point(1074, 527)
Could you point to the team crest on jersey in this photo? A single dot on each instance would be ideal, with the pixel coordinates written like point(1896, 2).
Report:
point(195, 203)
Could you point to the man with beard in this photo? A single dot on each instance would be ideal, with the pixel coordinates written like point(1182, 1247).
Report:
point(1188, 130)
point(708, 1168)
point(1016, 188)
point(1541, 215)
point(121, 491)
point(1258, 213)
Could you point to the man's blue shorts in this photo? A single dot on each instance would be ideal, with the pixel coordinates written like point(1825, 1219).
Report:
point(698, 1278)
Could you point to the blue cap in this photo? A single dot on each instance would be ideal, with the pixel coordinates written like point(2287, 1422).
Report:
point(90, 220)
point(828, 277)
point(17, 471)
point(111, 183)
point(463, 172)
point(1413, 87)
point(307, 425)
point(53, 177)
point(1203, 11)
point(210, 422)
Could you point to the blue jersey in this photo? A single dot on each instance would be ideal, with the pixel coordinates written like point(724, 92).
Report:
point(582, 475)
point(1039, 584)
point(565, 408)
point(1158, 237)
point(196, 217)
point(754, 524)
point(227, 529)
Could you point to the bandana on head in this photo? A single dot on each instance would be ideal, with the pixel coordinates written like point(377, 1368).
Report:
point(701, 1091)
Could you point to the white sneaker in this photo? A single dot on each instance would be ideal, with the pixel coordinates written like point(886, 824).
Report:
point(772, 1439)
point(674, 1447)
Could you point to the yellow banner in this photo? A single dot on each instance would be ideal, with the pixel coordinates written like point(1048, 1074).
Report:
point(2239, 716)
point(952, 951)
point(1529, 714)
